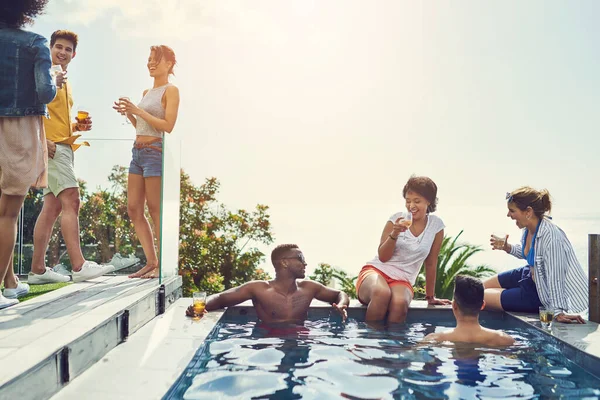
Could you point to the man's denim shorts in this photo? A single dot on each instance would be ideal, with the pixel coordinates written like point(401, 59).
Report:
point(146, 161)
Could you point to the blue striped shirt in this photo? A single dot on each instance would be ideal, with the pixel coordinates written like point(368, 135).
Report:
point(561, 282)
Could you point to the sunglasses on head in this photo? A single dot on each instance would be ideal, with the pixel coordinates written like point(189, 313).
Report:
point(510, 199)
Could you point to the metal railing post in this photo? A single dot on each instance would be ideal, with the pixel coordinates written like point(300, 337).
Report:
point(594, 274)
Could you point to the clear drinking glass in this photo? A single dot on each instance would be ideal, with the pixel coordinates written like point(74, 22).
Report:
point(407, 222)
point(122, 109)
point(199, 303)
point(499, 240)
point(82, 114)
point(546, 317)
point(54, 71)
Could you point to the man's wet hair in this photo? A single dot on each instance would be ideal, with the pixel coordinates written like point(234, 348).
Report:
point(468, 294)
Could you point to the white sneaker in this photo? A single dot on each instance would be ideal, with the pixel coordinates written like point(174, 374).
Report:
point(47, 277)
point(21, 290)
point(120, 262)
point(91, 270)
point(61, 269)
point(4, 302)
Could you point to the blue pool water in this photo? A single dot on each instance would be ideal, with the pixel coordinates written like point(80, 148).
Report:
point(325, 359)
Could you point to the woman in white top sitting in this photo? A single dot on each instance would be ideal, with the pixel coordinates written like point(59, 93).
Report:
point(152, 117)
point(385, 283)
point(552, 278)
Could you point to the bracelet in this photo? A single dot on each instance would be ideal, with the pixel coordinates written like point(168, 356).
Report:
point(393, 238)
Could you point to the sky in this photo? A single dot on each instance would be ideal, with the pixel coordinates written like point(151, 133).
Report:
point(323, 110)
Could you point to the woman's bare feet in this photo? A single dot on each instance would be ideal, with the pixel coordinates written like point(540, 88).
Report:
point(152, 274)
point(145, 270)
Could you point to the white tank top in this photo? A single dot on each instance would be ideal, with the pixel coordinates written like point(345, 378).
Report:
point(410, 251)
point(152, 104)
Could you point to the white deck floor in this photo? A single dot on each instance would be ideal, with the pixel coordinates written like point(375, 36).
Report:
point(51, 339)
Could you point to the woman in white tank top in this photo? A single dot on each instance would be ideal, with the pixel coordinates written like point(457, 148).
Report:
point(151, 118)
point(385, 283)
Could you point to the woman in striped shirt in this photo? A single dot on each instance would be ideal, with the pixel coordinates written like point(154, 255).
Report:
point(552, 278)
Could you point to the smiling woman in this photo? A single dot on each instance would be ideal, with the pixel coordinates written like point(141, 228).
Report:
point(408, 239)
point(552, 278)
point(151, 118)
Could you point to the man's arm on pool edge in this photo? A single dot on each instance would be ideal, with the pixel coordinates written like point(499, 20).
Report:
point(228, 298)
point(338, 299)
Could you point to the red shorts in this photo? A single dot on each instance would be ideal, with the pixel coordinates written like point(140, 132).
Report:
point(368, 270)
point(277, 330)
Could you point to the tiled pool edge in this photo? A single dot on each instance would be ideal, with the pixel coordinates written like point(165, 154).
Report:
point(588, 358)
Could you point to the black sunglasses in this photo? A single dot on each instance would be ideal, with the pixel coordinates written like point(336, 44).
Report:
point(298, 257)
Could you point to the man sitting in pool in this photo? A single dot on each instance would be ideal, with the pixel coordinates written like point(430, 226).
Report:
point(285, 298)
point(468, 301)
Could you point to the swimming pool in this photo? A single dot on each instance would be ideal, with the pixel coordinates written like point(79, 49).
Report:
point(325, 359)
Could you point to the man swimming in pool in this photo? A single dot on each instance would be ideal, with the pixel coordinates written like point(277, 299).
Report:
point(285, 298)
point(468, 301)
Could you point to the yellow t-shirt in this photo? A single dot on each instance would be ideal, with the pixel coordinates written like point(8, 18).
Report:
point(58, 127)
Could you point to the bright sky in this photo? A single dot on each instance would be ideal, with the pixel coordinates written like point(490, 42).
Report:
point(322, 110)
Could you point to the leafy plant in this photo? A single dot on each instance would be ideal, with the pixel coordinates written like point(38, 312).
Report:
point(453, 261)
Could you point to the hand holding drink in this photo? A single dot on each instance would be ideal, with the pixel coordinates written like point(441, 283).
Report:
point(120, 107)
point(58, 75)
point(498, 241)
point(84, 121)
point(407, 222)
point(402, 224)
point(199, 304)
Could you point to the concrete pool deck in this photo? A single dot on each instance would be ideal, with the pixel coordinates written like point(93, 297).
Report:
point(49, 340)
point(151, 360)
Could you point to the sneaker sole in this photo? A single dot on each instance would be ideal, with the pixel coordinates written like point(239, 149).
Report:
point(5, 305)
point(87, 278)
point(16, 295)
point(46, 281)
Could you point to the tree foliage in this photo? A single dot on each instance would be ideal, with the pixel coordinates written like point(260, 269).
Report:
point(453, 261)
point(326, 274)
point(217, 246)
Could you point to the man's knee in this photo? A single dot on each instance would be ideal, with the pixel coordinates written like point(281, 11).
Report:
point(52, 208)
point(69, 200)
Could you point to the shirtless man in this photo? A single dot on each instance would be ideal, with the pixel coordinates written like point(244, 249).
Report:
point(468, 301)
point(283, 299)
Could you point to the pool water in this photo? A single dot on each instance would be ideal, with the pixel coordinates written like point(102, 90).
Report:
point(325, 359)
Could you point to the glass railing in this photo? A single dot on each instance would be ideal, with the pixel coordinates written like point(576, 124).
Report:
point(170, 201)
point(107, 234)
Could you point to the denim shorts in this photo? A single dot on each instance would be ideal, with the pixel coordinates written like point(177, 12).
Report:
point(146, 161)
point(520, 294)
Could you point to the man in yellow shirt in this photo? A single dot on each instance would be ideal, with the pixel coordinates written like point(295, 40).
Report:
point(62, 193)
